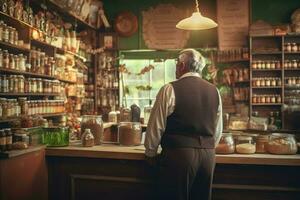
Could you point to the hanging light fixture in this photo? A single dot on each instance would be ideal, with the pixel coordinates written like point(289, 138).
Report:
point(196, 21)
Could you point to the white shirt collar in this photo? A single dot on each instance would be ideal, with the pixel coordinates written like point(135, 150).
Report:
point(190, 74)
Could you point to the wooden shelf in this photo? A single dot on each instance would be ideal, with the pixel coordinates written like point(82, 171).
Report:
point(292, 69)
point(52, 114)
point(266, 52)
point(292, 87)
point(69, 16)
point(266, 36)
point(266, 104)
point(69, 52)
point(60, 50)
point(257, 70)
point(38, 42)
point(28, 94)
point(267, 87)
point(240, 82)
point(66, 81)
point(13, 47)
point(233, 61)
point(14, 19)
point(13, 71)
point(286, 52)
point(10, 119)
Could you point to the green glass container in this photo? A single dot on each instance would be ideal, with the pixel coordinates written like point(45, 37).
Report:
point(55, 136)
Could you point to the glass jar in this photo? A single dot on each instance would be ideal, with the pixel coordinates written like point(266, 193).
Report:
point(95, 124)
point(254, 65)
point(129, 133)
point(147, 112)
point(226, 144)
point(281, 143)
point(288, 47)
point(245, 144)
point(273, 64)
point(1, 57)
point(87, 138)
point(277, 65)
point(24, 105)
point(11, 62)
point(112, 116)
point(294, 47)
point(55, 136)
point(5, 35)
point(125, 115)
point(261, 143)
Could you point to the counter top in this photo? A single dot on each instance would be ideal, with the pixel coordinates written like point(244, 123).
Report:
point(15, 153)
point(137, 153)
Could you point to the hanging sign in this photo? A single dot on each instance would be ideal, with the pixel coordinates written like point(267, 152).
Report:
point(159, 31)
point(233, 23)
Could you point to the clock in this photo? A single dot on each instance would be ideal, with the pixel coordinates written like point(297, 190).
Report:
point(126, 24)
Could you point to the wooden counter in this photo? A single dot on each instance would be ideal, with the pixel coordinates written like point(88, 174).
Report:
point(116, 172)
point(23, 174)
point(137, 153)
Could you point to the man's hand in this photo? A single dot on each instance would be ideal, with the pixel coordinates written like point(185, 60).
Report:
point(152, 161)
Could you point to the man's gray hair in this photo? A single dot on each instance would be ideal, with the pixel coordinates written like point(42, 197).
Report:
point(194, 60)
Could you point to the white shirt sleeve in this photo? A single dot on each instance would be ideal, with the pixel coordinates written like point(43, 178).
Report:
point(219, 122)
point(163, 107)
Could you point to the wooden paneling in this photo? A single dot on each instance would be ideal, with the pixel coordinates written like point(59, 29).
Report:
point(24, 177)
point(90, 178)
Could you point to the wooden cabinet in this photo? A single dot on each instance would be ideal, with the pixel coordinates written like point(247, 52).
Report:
point(114, 179)
point(24, 177)
point(274, 75)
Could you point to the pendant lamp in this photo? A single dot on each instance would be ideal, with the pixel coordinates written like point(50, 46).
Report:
point(196, 21)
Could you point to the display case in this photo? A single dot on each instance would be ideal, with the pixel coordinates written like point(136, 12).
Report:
point(275, 82)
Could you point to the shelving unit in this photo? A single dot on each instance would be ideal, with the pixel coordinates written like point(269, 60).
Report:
point(107, 77)
point(26, 33)
point(274, 50)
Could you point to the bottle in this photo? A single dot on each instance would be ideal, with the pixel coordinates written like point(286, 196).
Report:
point(8, 134)
point(2, 140)
point(271, 118)
point(87, 138)
point(147, 112)
point(277, 120)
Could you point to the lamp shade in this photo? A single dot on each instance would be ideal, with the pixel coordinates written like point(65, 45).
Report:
point(196, 22)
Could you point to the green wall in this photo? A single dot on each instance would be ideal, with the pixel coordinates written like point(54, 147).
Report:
point(197, 39)
point(272, 11)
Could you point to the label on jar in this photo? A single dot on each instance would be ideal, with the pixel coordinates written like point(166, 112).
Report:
point(2, 140)
point(9, 139)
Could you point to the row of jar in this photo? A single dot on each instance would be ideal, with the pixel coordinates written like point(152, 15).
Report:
point(292, 81)
point(241, 93)
point(12, 61)
point(233, 54)
point(38, 64)
point(275, 143)
point(291, 64)
point(291, 47)
point(264, 98)
point(107, 98)
point(266, 81)
point(8, 34)
point(15, 108)
point(41, 63)
point(107, 80)
point(18, 84)
point(266, 64)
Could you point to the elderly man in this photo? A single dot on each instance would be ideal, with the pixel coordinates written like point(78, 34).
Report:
point(186, 120)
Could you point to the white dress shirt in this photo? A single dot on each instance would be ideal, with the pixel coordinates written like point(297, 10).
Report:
point(163, 107)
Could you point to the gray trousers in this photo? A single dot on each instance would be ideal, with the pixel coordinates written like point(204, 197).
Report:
point(186, 173)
